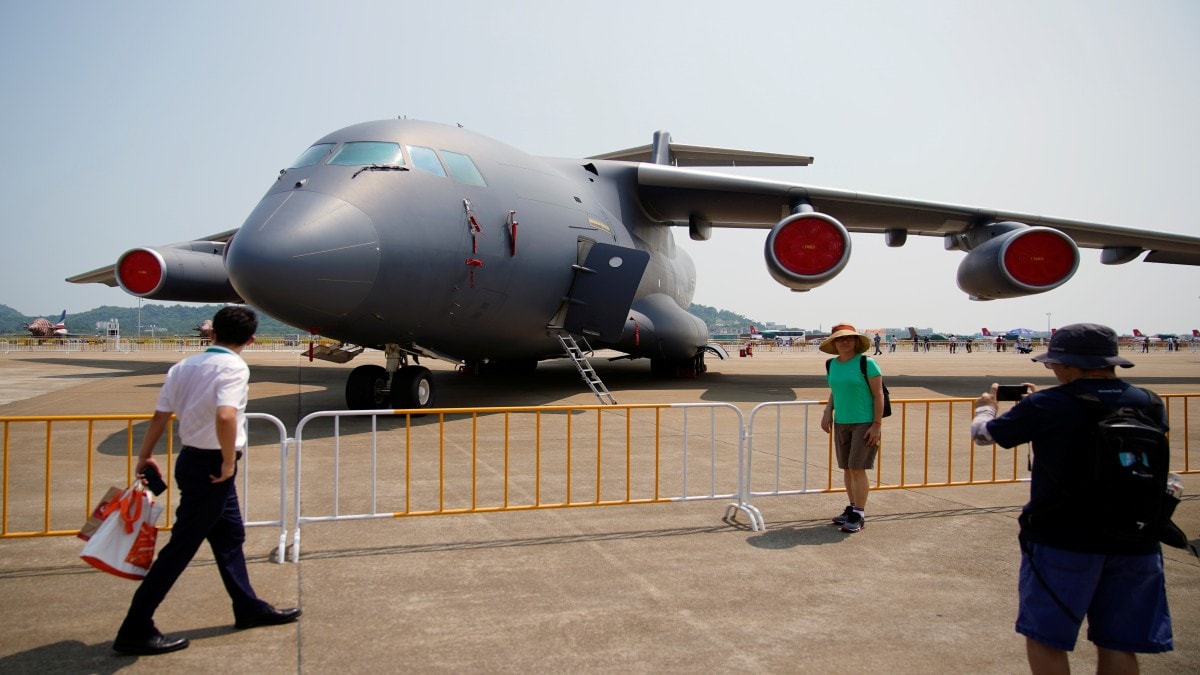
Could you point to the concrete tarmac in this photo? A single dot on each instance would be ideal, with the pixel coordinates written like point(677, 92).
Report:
point(928, 587)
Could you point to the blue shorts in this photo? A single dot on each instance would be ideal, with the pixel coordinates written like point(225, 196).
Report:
point(1123, 596)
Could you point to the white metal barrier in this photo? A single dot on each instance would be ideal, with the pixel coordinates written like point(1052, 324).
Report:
point(435, 463)
point(789, 454)
point(284, 441)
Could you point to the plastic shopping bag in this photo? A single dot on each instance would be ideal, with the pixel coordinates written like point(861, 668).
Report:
point(123, 545)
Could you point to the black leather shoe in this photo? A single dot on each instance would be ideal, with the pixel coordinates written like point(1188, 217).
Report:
point(155, 644)
point(268, 617)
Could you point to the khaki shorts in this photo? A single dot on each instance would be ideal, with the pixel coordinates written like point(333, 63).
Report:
point(850, 444)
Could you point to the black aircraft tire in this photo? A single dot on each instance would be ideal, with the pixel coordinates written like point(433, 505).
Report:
point(412, 387)
point(366, 388)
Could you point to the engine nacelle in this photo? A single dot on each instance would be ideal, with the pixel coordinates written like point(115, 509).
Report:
point(1017, 263)
point(193, 272)
point(806, 249)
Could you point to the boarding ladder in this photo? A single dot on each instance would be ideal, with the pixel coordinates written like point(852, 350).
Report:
point(585, 369)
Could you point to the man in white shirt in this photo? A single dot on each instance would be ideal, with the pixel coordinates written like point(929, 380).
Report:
point(208, 391)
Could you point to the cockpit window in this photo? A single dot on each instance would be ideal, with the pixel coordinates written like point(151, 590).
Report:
point(462, 169)
point(369, 153)
point(426, 159)
point(312, 155)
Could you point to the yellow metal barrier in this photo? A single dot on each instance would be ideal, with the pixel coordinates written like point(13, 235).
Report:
point(30, 441)
point(433, 462)
point(926, 443)
point(57, 467)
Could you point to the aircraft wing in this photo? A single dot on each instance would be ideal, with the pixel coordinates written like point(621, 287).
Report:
point(107, 275)
point(101, 275)
point(686, 196)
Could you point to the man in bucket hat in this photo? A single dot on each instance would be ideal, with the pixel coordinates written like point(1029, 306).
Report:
point(854, 415)
point(1069, 567)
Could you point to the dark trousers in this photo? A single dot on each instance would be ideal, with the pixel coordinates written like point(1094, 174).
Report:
point(207, 511)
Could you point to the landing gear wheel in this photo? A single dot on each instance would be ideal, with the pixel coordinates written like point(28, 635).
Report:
point(412, 387)
point(682, 369)
point(367, 388)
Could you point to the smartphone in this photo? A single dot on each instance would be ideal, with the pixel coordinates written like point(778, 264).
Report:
point(1010, 392)
point(154, 480)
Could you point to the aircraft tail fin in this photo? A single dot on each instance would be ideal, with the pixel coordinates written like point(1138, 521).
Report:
point(663, 151)
point(1195, 333)
point(63, 316)
point(1137, 333)
point(986, 332)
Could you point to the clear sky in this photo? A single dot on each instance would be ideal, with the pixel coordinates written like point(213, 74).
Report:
point(143, 122)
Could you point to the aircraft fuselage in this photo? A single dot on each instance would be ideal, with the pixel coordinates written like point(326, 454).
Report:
point(471, 264)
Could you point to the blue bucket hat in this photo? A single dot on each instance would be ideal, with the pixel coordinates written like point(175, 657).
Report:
point(1084, 345)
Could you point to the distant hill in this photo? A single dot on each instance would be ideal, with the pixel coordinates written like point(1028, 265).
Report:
point(161, 320)
point(182, 320)
point(722, 320)
point(11, 320)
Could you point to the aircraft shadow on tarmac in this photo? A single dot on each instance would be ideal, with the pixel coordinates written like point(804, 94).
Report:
point(552, 383)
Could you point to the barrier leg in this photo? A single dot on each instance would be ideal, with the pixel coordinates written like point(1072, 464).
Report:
point(751, 511)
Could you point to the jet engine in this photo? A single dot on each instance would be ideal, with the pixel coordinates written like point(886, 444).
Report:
point(1019, 262)
point(190, 272)
point(806, 249)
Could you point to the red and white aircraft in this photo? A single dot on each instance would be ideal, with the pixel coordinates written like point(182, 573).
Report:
point(43, 328)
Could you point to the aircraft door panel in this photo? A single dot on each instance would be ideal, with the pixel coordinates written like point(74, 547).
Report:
point(603, 291)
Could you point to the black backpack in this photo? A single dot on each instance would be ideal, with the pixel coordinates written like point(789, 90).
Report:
point(862, 366)
point(1127, 487)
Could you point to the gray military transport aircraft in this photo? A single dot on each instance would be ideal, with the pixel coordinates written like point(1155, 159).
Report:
point(428, 240)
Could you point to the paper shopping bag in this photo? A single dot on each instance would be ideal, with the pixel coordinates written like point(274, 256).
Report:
point(123, 545)
point(93, 522)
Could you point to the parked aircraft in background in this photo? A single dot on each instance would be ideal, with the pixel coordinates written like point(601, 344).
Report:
point(1161, 337)
point(205, 329)
point(920, 337)
point(426, 240)
point(1010, 335)
point(1157, 337)
point(41, 327)
point(752, 335)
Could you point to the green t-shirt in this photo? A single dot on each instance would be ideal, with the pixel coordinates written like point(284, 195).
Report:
point(852, 400)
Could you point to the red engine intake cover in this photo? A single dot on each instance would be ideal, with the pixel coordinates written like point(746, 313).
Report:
point(140, 271)
point(1020, 262)
point(805, 250)
point(1041, 258)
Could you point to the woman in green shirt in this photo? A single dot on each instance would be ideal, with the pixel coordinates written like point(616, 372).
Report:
point(854, 415)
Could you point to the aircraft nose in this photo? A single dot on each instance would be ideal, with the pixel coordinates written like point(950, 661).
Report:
point(305, 258)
